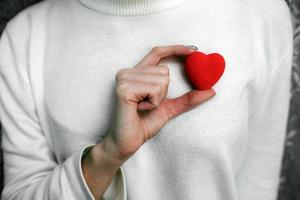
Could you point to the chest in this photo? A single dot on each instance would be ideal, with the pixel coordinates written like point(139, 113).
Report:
point(80, 79)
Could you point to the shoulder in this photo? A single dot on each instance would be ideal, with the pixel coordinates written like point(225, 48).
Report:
point(20, 30)
point(281, 34)
point(282, 27)
point(276, 8)
point(273, 8)
point(21, 24)
point(276, 17)
point(271, 17)
point(278, 14)
point(17, 38)
point(272, 24)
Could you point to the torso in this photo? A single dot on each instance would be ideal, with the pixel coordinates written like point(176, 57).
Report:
point(193, 155)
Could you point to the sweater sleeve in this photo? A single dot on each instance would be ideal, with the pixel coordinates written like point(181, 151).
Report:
point(260, 174)
point(30, 169)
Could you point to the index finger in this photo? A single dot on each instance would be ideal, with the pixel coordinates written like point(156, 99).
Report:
point(159, 52)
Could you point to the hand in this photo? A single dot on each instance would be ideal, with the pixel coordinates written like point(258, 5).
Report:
point(142, 107)
point(142, 110)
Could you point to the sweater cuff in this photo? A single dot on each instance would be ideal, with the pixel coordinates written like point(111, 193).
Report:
point(117, 188)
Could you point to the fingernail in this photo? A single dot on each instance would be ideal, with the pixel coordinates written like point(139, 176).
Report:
point(214, 92)
point(191, 47)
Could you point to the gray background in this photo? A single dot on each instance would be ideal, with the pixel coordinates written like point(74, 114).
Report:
point(290, 178)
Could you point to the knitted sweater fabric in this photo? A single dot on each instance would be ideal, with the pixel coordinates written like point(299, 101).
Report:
point(58, 61)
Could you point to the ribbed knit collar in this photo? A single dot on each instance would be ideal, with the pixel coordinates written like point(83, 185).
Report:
point(130, 7)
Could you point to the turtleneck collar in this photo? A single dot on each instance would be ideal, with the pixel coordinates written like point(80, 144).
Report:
point(130, 7)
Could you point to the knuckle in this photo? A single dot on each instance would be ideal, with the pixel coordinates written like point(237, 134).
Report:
point(156, 50)
point(121, 74)
point(156, 103)
point(166, 80)
point(157, 89)
point(187, 100)
point(122, 89)
point(165, 69)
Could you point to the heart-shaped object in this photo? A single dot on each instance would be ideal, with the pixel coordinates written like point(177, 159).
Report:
point(204, 70)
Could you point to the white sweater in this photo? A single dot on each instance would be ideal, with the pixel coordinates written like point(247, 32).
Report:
point(58, 61)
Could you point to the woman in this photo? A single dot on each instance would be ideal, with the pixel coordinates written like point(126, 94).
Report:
point(95, 103)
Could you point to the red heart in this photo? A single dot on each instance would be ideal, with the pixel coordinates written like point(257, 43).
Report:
point(204, 70)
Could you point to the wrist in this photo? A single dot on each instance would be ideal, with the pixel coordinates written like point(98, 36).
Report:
point(99, 166)
point(103, 156)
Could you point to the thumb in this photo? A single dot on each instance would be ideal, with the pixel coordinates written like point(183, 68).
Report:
point(187, 101)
